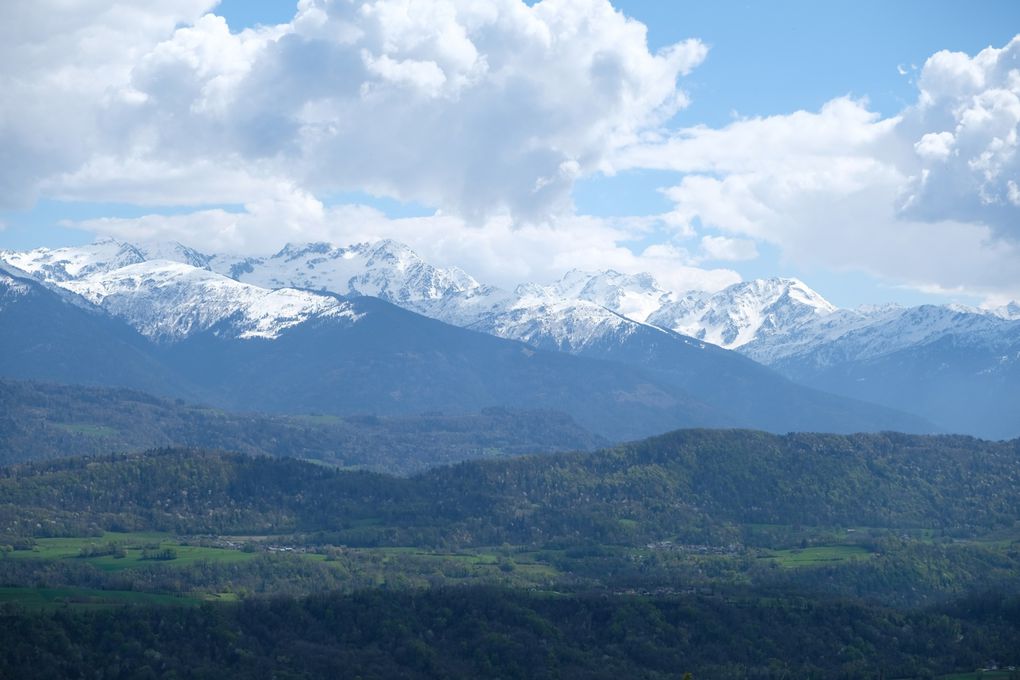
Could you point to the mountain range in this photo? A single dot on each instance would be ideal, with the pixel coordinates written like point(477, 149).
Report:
point(621, 354)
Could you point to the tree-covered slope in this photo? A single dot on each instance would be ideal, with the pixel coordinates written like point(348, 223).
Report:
point(697, 486)
point(497, 633)
point(41, 421)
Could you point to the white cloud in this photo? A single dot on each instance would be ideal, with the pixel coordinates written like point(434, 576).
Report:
point(63, 64)
point(489, 112)
point(287, 214)
point(724, 248)
point(1013, 192)
point(147, 181)
point(935, 146)
point(926, 199)
point(498, 251)
point(968, 121)
point(475, 108)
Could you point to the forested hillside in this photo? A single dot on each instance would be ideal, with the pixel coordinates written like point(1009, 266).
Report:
point(498, 633)
point(722, 553)
point(698, 485)
point(40, 421)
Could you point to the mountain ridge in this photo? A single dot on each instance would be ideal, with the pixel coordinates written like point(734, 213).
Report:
point(629, 318)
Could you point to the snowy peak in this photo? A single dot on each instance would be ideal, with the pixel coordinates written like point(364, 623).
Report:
point(66, 264)
point(166, 300)
point(174, 252)
point(13, 282)
point(168, 291)
point(870, 332)
point(384, 269)
point(557, 323)
point(294, 251)
point(582, 310)
point(1009, 311)
point(777, 292)
point(743, 312)
point(635, 296)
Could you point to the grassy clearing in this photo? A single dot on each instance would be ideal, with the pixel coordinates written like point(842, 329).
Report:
point(465, 565)
point(1000, 538)
point(818, 555)
point(469, 564)
point(134, 545)
point(85, 598)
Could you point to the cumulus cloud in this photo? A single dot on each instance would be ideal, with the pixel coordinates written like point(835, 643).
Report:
point(724, 248)
point(488, 113)
point(474, 108)
point(927, 198)
point(64, 63)
point(968, 119)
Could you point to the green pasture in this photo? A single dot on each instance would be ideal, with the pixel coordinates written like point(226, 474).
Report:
point(134, 544)
point(818, 555)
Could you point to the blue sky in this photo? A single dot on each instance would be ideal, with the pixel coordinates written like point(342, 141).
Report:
point(764, 59)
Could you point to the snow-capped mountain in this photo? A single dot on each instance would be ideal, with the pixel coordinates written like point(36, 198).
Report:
point(549, 322)
point(170, 299)
point(48, 333)
point(171, 294)
point(957, 366)
point(635, 296)
point(770, 320)
point(69, 264)
point(12, 283)
point(384, 269)
point(166, 300)
point(743, 312)
point(570, 315)
point(542, 316)
point(174, 252)
point(869, 332)
point(581, 310)
point(1010, 311)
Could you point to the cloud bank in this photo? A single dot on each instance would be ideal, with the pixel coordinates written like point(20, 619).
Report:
point(488, 113)
point(475, 108)
point(927, 199)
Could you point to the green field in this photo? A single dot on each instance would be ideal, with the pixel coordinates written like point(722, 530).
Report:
point(133, 544)
point(482, 563)
point(818, 555)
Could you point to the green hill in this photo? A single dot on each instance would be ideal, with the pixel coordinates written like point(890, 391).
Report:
point(689, 486)
point(40, 421)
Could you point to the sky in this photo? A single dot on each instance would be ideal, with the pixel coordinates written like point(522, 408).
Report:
point(868, 148)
